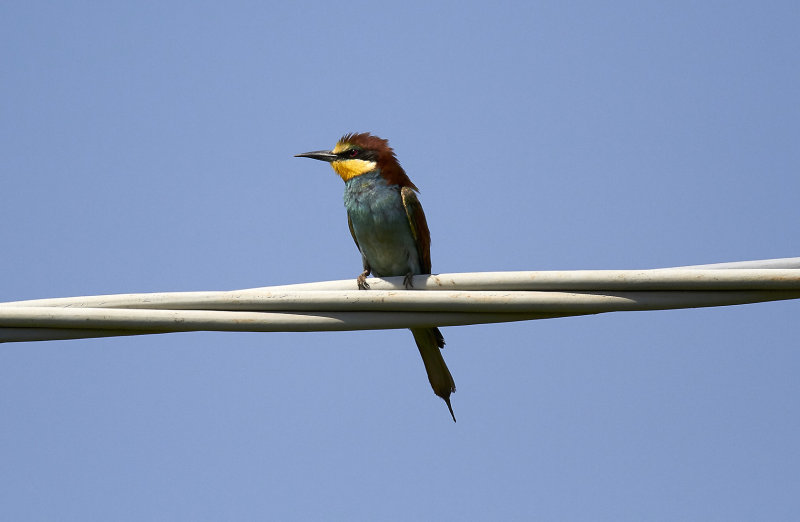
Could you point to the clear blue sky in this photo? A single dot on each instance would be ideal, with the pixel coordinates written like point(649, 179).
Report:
point(147, 146)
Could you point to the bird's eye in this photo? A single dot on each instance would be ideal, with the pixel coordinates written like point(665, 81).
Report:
point(353, 153)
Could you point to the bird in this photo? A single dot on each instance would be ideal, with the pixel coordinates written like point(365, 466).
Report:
point(389, 228)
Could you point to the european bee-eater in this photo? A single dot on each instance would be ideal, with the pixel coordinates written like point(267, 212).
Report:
point(388, 225)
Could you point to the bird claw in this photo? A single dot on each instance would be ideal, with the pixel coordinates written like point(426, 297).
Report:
point(362, 280)
point(408, 281)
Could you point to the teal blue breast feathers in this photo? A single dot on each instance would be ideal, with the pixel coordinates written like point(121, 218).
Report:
point(380, 225)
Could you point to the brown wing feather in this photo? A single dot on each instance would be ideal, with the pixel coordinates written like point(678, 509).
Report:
point(419, 227)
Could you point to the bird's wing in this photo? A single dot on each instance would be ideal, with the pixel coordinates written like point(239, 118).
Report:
point(352, 232)
point(419, 227)
point(364, 261)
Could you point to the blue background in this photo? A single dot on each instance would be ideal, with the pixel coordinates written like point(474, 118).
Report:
point(147, 146)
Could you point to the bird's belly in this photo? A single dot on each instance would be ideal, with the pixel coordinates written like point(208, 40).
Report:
point(380, 226)
point(385, 240)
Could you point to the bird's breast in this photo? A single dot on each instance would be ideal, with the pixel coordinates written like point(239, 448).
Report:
point(380, 226)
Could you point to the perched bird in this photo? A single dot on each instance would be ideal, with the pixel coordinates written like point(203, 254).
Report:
point(389, 228)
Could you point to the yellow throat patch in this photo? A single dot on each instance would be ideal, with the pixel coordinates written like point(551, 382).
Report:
point(350, 168)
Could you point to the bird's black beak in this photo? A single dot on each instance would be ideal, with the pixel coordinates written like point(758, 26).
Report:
point(322, 155)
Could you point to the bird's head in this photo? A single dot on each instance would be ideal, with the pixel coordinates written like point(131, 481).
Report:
point(359, 153)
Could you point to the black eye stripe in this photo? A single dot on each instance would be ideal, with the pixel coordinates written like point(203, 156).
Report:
point(356, 153)
point(349, 153)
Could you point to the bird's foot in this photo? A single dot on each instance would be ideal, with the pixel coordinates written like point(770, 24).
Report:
point(362, 280)
point(408, 281)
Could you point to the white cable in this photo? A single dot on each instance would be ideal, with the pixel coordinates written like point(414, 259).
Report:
point(459, 299)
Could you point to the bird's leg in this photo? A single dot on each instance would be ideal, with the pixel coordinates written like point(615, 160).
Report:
point(408, 281)
point(362, 279)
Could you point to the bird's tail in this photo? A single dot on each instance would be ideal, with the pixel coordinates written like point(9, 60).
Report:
point(430, 342)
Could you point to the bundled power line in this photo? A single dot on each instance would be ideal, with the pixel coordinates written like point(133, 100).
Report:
point(435, 300)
